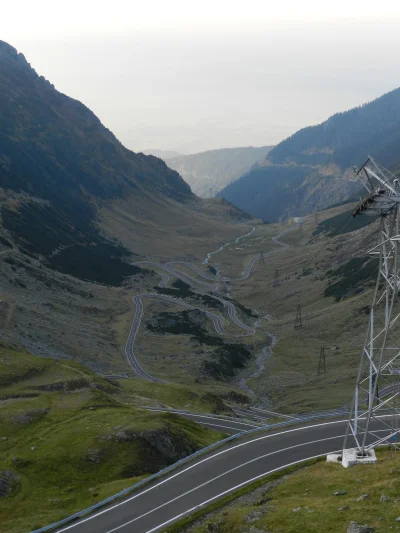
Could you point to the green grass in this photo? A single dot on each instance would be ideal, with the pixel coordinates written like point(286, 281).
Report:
point(206, 398)
point(311, 489)
point(289, 378)
point(84, 438)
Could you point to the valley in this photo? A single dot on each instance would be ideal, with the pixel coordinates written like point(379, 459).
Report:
point(156, 347)
point(180, 354)
point(209, 172)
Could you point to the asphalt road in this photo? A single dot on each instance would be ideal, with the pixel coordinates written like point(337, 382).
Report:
point(225, 424)
point(218, 322)
point(169, 269)
point(212, 476)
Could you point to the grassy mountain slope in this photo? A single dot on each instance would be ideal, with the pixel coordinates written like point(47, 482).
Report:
point(209, 172)
point(70, 438)
point(326, 271)
point(312, 168)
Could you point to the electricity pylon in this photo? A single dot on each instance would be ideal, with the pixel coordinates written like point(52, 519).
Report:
point(261, 260)
point(316, 218)
point(374, 419)
point(276, 279)
point(298, 322)
point(322, 362)
point(301, 229)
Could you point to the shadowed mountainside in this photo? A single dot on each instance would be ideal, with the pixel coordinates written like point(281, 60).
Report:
point(61, 170)
point(312, 168)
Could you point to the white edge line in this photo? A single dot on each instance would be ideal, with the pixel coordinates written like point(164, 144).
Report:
point(219, 426)
point(197, 464)
point(231, 490)
point(183, 413)
point(220, 476)
point(245, 483)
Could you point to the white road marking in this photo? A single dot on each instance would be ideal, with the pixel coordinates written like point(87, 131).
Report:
point(197, 464)
point(220, 476)
point(219, 426)
point(199, 506)
point(203, 416)
point(231, 490)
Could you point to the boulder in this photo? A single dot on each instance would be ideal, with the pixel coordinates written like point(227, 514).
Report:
point(359, 528)
point(172, 446)
point(7, 481)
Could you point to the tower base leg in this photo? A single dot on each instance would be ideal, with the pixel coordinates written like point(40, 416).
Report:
point(352, 457)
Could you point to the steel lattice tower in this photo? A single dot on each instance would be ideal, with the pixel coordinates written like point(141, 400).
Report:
point(261, 260)
point(322, 362)
point(298, 322)
point(375, 410)
point(276, 279)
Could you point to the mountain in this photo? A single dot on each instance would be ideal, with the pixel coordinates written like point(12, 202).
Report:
point(73, 195)
point(209, 172)
point(162, 154)
point(77, 210)
point(312, 169)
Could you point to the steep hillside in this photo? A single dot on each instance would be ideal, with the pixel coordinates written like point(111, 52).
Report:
point(61, 171)
point(209, 172)
point(77, 209)
point(312, 168)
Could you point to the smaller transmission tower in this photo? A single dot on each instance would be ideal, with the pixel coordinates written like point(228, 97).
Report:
point(298, 322)
point(316, 218)
point(276, 280)
point(301, 229)
point(322, 362)
point(261, 260)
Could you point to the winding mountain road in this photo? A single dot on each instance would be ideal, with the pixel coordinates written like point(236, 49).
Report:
point(195, 485)
point(168, 270)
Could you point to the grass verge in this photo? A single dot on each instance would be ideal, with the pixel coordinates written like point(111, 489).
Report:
point(304, 500)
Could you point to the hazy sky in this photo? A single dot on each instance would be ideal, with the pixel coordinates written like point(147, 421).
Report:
point(199, 74)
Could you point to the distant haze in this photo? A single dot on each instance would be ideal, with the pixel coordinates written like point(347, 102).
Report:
point(195, 76)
